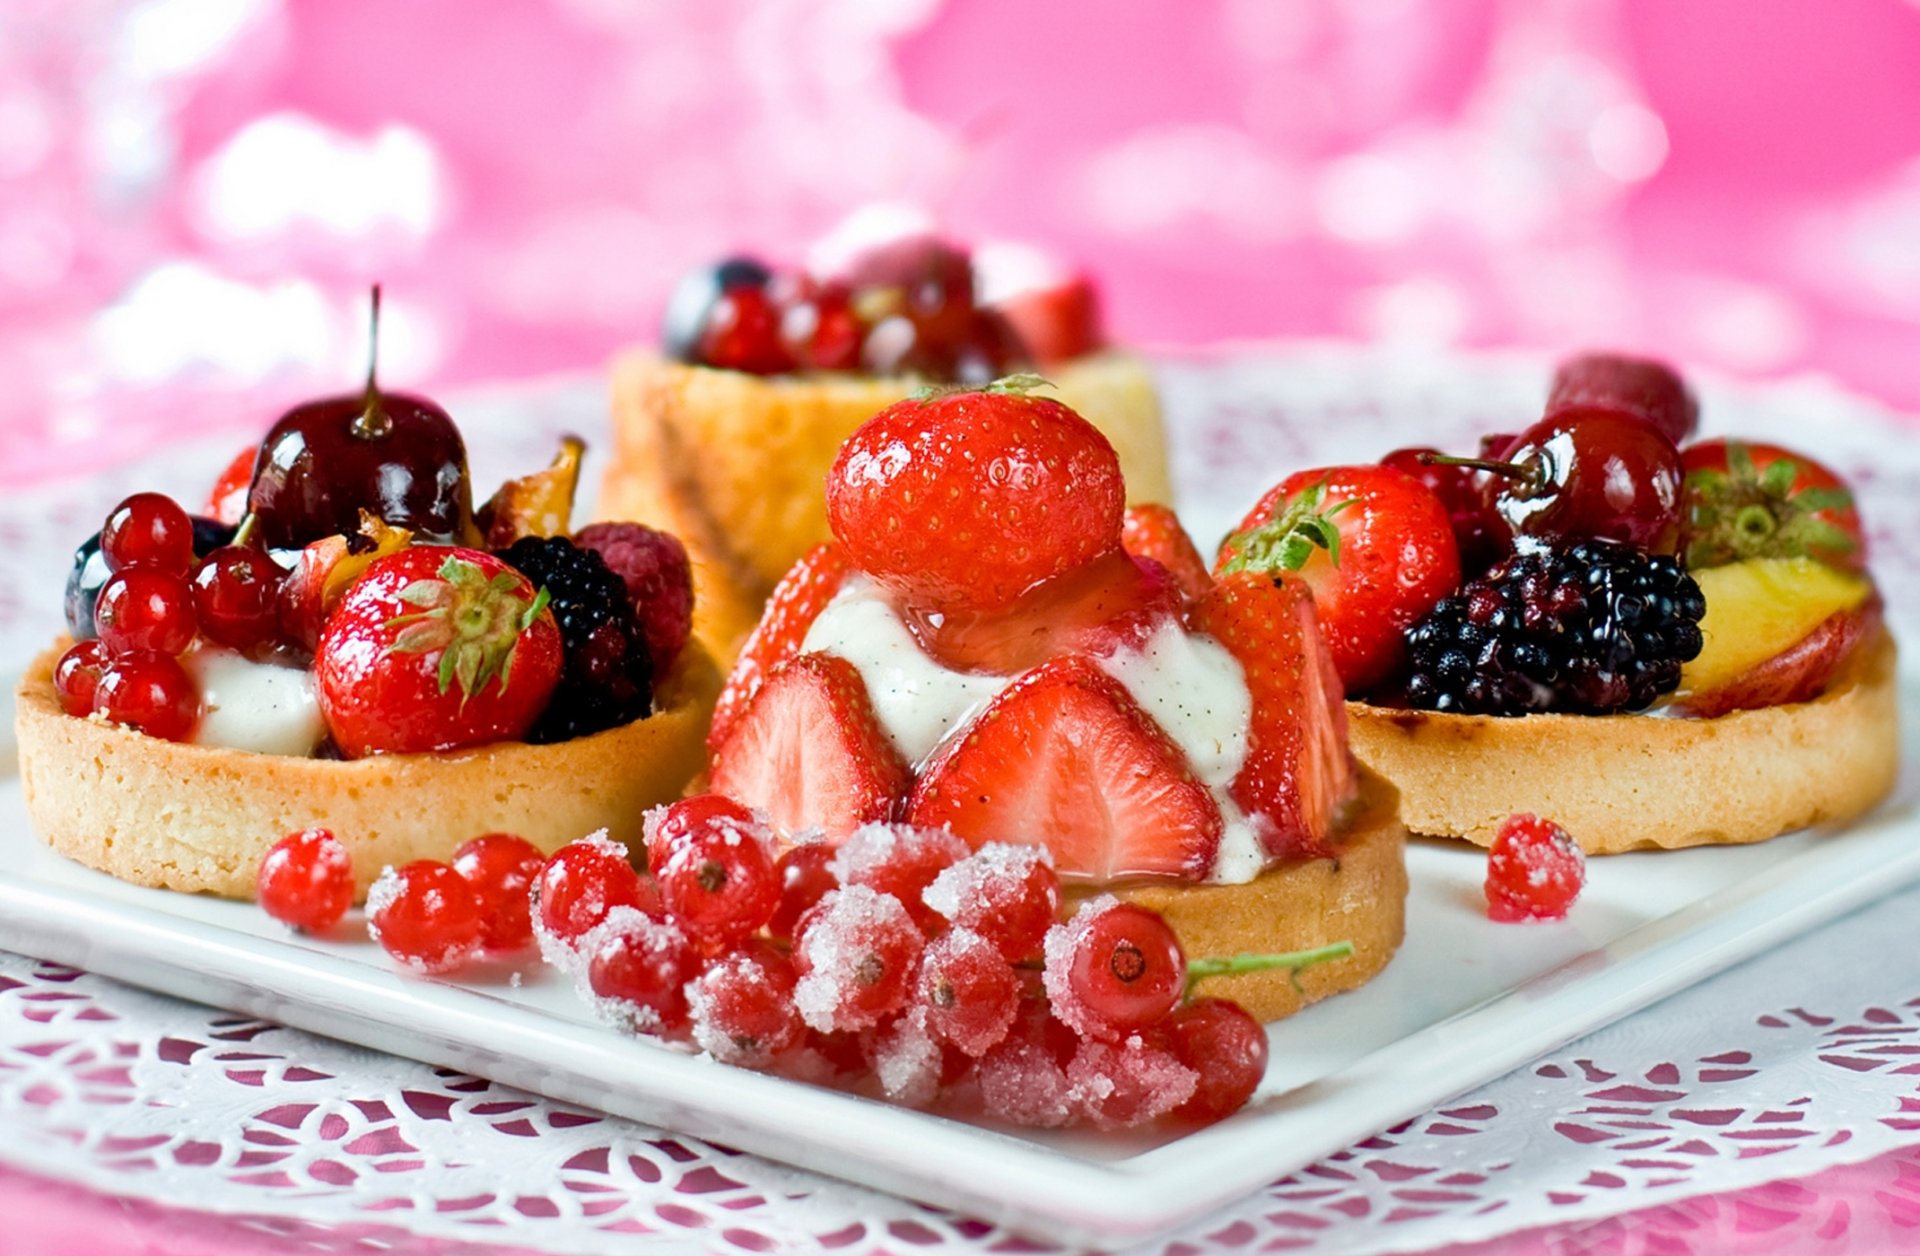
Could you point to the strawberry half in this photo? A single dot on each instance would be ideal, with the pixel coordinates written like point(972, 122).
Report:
point(1150, 530)
point(808, 751)
point(1065, 758)
point(791, 609)
point(1299, 774)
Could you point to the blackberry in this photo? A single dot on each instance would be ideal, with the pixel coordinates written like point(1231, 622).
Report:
point(1588, 628)
point(606, 678)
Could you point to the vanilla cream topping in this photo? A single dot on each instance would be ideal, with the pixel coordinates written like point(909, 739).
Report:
point(245, 705)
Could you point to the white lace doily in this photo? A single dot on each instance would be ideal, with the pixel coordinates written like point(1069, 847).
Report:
point(1801, 1059)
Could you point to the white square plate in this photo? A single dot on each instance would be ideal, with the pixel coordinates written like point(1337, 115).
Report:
point(1465, 1001)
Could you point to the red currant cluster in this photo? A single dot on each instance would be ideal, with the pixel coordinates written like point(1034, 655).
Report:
point(905, 308)
point(152, 606)
point(938, 973)
point(429, 916)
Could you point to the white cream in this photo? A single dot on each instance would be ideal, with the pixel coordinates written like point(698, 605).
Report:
point(917, 700)
point(261, 707)
point(1191, 686)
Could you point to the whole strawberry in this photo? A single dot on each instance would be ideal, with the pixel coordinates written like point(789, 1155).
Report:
point(1374, 544)
point(962, 501)
point(435, 648)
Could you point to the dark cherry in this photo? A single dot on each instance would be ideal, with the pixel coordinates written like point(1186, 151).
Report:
point(395, 455)
point(1649, 389)
point(933, 281)
point(690, 307)
point(1586, 473)
point(1480, 534)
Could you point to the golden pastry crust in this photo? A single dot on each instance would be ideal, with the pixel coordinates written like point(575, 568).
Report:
point(735, 465)
point(1359, 897)
point(199, 818)
point(1629, 782)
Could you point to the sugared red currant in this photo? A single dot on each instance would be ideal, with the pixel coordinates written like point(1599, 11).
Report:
point(640, 966)
point(76, 677)
point(423, 915)
point(306, 880)
point(501, 869)
point(1007, 894)
point(742, 1006)
point(145, 609)
point(1227, 1047)
point(1534, 871)
point(579, 884)
point(148, 530)
point(1114, 969)
point(968, 990)
point(719, 882)
point(151, 693)
point(806, 874)
point(900, 860)
point(236, 593)
point(1120, 1085)
point(855, 956)
point(668, 827)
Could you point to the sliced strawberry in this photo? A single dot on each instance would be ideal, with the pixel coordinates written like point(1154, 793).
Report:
point(227, 500)
point(796, 602)
point(1092, 610)
point(1057, 322)
point(1153, 531)
point(808, 751)
point(1298, 774)
point(1065, 758)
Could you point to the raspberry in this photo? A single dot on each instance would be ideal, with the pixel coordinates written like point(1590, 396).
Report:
point(659, 579)
point(1114, 969)
point(1534, 871)
point(607, 678)
point(900, 860)
point(1590, 628)
point(424, 916)
point(306, 880)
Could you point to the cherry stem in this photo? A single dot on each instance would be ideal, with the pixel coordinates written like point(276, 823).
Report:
point(1512, 470)
point(1232, 965)
point(244, 533)
point(373, 422)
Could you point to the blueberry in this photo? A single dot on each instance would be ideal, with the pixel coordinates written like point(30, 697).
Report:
point(693, 297)
point(83, 588)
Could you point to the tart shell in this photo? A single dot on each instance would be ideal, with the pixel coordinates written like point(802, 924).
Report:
point(1359, 896)
point(199, 818)
point(1630, 782)
point(736, 465)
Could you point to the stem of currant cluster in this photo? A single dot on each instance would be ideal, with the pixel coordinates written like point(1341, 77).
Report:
point(1294, 961)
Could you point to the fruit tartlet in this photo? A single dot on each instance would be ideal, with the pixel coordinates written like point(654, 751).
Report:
point(995, 646)
point(1655, 640)
point(725, 435)
point(344, 643)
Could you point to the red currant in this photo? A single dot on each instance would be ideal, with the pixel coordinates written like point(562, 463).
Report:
point(743, 334)
point(144, 609)
point(148, 530)
point(1114, 969)
point(1120, 1085)
point(1227, 1047)
point(76, 677)
point(669, 826)
point(236, 592)
point(1007, 894)
point(742, 1006)
point(806, 874)
point(579, 884)
point(306, 880)
point(640, 966)
point(151, 693)
point(424, 916)
point(968, 990)
point(719, 882)
point(900, 860)
point(855, 955)
point(500, 868)
point(1534, 871)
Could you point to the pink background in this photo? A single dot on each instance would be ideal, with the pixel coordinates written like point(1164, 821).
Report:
point(193, 196)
